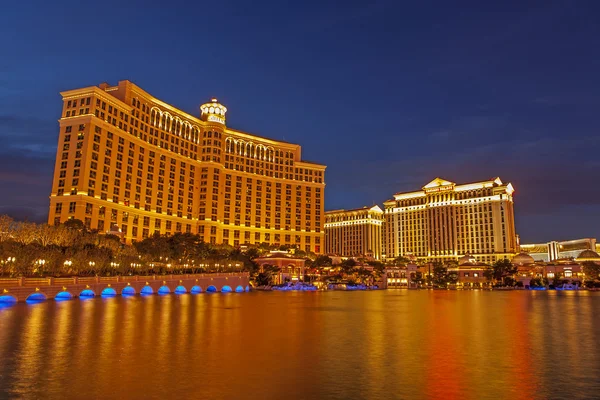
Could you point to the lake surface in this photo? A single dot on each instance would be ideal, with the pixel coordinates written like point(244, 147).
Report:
point(333, 345)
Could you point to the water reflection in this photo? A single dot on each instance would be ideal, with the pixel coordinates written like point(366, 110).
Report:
point(389, 344)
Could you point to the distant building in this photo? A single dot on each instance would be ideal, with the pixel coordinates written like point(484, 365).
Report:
point(354, 233)
point(291, 268)
point(470, 272)
point(444, 221)
point(396, 277)
point(556, 250)
point(568, 268)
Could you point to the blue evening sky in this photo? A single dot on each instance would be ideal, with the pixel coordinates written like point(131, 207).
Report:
point(387, 94)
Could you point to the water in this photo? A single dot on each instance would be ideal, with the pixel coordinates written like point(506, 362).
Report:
point(333, 345)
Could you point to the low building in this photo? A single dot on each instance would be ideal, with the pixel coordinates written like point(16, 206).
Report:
point(470, 272)
point(292, 268)
point(526, 268)
point(396, 277)
point(566, 268)
point(555, 250)
point(401, 276)
point(588, 256)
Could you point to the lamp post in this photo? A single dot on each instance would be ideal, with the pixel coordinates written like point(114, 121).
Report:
point(39, 264)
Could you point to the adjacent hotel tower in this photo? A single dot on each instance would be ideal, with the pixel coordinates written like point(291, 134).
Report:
point(130, 164)
point(354, 233)
point(445, 221)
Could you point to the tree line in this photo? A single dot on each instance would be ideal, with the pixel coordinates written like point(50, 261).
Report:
point(38, 250)
point(28, 249)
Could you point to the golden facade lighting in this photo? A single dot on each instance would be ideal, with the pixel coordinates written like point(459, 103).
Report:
point(354, 233)
point(131, 164)
point(445, 221)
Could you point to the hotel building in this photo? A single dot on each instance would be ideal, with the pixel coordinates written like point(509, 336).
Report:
point(444, 221)
point(556, 250)
point(354, 233)
point(131, 164)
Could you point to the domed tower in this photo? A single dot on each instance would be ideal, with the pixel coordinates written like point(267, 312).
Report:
point(212, 156)
point(213, 139)
point(588, 255)
point(213, 111)
point(467, 259)
point(522, 259)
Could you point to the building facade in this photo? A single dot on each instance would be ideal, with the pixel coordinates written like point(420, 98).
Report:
point(444, 221)
point(291, 268)
point(354, 233)
point(135, 165)
point(556, 250)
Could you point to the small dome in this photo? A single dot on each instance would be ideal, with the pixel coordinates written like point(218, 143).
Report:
point(588, 255)
point(466, 260)
point(522, 259)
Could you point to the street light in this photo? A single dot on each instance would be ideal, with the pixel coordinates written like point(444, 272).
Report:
point(92, 263)
point(40, 263)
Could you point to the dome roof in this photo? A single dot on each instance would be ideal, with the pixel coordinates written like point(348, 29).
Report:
point(467, 259)
point(588, 255)
point(522, 259)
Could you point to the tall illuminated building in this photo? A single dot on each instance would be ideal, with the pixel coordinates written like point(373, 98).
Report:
point(444, 221)
point(135, 165)
point(354, 233)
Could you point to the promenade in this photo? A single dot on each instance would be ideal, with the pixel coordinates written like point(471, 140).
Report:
point(39, 289)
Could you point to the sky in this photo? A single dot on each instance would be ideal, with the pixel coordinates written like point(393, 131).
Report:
point(388, 94)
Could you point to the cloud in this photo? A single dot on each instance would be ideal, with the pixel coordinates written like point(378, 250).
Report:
point(25, 184)
point(333, 16)
point(33, 214)
point(550, 100)
point(441, 135)
point(28, 135)
point(549, 174)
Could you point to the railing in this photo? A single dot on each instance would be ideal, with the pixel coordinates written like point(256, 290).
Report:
point(7, 282)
